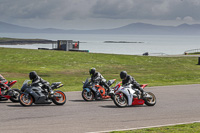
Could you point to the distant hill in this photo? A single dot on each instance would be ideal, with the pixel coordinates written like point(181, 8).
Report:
point(11, 28)
point(134, 28)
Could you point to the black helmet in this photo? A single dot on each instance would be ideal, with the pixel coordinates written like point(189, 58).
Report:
point(123, 74)
point(33, 75)
point(92, 71)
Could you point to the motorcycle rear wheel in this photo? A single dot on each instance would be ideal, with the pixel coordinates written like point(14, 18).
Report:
point(59, 100)
point(87, 96)
point(150, 101)
point(15, 99)
point(25, 101)
point(120, 101)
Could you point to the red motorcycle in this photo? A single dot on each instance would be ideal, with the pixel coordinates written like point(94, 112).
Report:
point(7, 93)
point(126, 96)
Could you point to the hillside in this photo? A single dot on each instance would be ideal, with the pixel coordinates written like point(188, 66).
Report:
point(134, 28)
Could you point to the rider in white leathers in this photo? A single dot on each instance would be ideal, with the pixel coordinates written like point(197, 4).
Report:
point(127, 79)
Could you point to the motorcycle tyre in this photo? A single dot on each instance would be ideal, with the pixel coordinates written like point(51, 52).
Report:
point(24, 104)
point(64, 98)
point(15, 100)
point(149, 103)
point(118, 105)
point(91, 99)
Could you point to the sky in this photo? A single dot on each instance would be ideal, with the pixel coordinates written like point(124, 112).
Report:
point(98, 14)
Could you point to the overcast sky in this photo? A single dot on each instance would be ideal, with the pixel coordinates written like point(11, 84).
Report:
point(97, 14)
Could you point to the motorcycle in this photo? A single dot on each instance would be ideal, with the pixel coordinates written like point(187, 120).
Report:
point(90, 92)
point(37, 95)
point(126, 96)
point(12, 94)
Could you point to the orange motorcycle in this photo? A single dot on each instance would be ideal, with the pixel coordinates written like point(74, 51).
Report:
point(97, 92)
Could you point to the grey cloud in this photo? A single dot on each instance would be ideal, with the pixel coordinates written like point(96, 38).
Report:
point(44, 9)
point(146, 9)
point(26, 9)
point(112, 9)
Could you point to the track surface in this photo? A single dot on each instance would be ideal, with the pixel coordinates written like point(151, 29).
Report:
point(175, 104)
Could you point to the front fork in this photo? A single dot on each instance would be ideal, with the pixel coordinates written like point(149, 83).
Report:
point(121, 95)
point(26, 96)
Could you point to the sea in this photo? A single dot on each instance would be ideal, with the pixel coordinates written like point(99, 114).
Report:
point(135, 44)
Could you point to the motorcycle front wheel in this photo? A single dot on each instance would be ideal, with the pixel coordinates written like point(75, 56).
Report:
point(25, 100)
point(120, 100)
point(59, 98)
point(15, 98)
point(150, 99)
point(87, 96)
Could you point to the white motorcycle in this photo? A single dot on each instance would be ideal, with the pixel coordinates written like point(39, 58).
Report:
point(126, 96)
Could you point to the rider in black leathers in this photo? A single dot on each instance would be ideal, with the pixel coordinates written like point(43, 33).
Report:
point(38, 81)
point(127, 79)
point(96, 77)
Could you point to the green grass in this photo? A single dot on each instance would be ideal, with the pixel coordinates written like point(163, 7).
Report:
point(185, 128)
point(71, 68)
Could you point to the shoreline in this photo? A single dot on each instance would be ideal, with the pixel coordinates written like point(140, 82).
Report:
point(16, 41)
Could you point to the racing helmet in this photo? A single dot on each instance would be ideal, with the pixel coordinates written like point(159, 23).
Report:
point(123, 74)
point(92, 71)
point(33, 75)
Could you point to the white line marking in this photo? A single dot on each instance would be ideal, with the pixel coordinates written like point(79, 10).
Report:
point(145, 127)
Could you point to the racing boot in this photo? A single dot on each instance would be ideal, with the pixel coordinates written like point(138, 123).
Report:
point(108, 91)
point(98, 95)
point(142, 93)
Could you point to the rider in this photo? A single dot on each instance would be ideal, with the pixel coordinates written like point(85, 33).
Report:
point(37, 81)
point(97, 77)
point(3, 82)
point(127, 79)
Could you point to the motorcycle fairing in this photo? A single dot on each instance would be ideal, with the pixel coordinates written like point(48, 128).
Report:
point(128, 93)
point(100, 89)
point(11, 83)
point(5, 96)
point(130, 96)
point(143, 86)
point(85, 83)
point(87, 89)
point(137, 101)
point(36, 93)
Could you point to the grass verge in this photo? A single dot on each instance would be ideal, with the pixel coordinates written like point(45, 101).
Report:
point(71, 68)
point(184, 128)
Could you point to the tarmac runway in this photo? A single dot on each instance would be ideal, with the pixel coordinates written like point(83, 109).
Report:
point(175, 104)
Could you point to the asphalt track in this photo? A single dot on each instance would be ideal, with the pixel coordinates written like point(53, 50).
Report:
point(175, 104)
